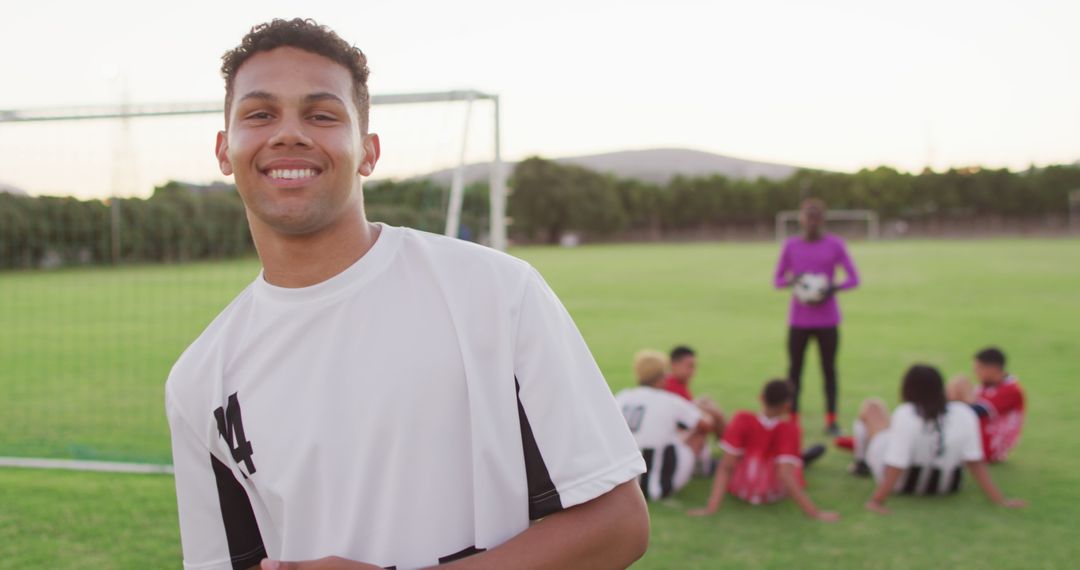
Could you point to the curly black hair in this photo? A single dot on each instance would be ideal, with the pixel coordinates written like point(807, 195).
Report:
point(308, 35)
point(924, 387)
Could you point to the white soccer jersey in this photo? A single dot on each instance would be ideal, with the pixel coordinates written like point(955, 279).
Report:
point(932, 454)
point(655, 417)
point(421, 406)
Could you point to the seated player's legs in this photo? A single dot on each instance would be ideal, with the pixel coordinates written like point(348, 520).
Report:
point(872, 421)
point(961, 389)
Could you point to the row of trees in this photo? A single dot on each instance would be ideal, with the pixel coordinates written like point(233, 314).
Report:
point(174, 224)
point(549, 199)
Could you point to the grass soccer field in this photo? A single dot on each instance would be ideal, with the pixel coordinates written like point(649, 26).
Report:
point(84, 354)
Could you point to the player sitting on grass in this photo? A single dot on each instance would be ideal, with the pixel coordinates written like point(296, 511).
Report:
point(684, 364)
point(998, 401)
point(923, 447)
point(657, 419)
point(762, 461)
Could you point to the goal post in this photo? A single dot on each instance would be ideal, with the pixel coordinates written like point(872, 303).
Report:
point(787, 221)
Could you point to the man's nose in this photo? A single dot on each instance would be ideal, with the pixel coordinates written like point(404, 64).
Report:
point(290, 132)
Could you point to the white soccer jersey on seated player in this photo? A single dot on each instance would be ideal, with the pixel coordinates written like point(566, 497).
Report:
point(655, 417)
point(932, 454)
point(423, 405)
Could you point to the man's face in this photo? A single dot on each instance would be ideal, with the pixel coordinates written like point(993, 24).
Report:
point(293, 141)
point(812, 219)
point(989, 374)
point(684, 368)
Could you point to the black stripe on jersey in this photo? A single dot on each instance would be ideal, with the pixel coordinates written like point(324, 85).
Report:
point(957, 477)
point(648, 454)
point(459, 555)
point(911, 481)
point(934, 481)
point(667, 472)
point(246, 547)
point(543, 496)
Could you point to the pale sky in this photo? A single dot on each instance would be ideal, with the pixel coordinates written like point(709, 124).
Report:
point(830, 84)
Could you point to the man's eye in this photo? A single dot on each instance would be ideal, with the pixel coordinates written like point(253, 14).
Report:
point(259, 116)
point(321, 117)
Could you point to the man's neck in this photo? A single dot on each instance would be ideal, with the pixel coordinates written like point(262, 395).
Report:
point(305, 260)
point(812, 236)
point(773, 413)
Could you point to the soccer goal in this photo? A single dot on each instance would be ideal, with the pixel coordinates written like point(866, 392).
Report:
point(849, 223)
point(126, 149)
point(86, 352)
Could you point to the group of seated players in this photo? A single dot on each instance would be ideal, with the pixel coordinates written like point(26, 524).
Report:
point(920, 448)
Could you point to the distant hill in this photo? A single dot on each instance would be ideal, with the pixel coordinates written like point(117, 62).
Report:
point(9, 189)
point(657, 165)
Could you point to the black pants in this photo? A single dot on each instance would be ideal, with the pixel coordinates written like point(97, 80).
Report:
point(828, 341)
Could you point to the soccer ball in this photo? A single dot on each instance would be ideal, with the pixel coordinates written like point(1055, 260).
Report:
point(811, 288)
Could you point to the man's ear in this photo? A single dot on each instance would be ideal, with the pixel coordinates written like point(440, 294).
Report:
point(221, 151)
point(371, 154)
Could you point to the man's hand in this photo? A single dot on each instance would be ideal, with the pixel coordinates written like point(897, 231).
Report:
point(328, 563)
point(1013, 503)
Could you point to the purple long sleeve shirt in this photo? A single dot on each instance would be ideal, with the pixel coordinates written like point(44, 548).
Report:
point(821, 256)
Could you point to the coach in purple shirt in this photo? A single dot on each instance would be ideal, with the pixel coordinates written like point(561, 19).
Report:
point(815, 251)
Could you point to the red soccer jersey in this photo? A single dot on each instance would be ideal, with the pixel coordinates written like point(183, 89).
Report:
point(762, 444)
point(673, 385)
point(1001, 426)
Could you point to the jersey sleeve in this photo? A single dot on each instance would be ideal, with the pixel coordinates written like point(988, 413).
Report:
point(1006, 399)
point(783, 266)
point(789, 443)
point(217, 527)
point(903, 432)
point(735, 435)
point(576, 442)
point(688, 414)
point(851, 273)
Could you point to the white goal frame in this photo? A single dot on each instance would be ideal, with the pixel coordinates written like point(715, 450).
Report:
point(497, 180)
point(873, 224)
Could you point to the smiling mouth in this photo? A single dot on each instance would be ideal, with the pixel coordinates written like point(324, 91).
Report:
point(292, 173)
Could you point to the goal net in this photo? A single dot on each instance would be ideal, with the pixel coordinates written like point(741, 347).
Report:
point(86, 350)
point(855, 224)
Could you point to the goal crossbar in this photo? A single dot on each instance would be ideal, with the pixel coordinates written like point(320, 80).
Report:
point(868, 216)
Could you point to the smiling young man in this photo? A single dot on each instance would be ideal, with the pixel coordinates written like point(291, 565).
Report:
point(381, 397)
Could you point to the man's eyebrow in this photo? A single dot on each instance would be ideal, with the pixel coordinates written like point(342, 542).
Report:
point(322, 96)
point(262, 95)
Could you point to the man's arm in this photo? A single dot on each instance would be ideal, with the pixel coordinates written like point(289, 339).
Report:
point(610, 531)
point(851, 274)
point(982, 477)
point(798, 494)
point(719, 486)
point(884, 488)
point(783, 266)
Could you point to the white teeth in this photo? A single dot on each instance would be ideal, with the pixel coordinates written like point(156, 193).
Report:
point(292, 174)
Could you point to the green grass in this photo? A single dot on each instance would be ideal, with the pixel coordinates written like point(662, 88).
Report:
point(84, 354)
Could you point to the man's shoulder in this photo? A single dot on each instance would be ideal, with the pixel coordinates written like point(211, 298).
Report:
point(200, 353)
point(460, 257)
